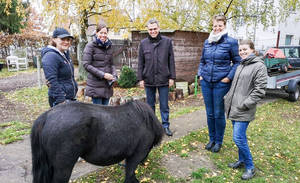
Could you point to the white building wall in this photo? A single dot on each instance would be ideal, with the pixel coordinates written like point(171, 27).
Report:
point(265, 38)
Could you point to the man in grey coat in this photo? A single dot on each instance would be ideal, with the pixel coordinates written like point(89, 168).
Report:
point(156, 70)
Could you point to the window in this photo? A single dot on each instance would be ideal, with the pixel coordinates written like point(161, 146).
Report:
point(288, 39)
point(291, 52)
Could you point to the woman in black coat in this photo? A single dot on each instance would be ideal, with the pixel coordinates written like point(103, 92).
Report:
point(98, 62)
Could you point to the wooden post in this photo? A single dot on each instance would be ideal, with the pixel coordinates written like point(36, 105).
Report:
point(38, 65)
point(196, 85)
point(278, 38)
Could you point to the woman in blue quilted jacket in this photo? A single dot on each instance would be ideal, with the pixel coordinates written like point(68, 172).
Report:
point(58, 68)
point(219, 60)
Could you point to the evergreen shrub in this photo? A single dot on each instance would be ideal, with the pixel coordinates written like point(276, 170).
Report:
point(127, 77)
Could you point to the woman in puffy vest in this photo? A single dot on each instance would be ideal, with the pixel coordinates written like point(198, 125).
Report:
point(218, 63)
point(98, 62)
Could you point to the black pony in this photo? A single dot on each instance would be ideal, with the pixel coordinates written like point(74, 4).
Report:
point(101, 135)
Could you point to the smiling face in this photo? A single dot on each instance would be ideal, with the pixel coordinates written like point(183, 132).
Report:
point(245, 50)
point(62, 44)
point(102, 34)
point(218, 26)
point(153, 30)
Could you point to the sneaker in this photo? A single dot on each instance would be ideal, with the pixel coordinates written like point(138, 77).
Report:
point(209, 145)
point(216, 148)
point(237, 164)
point(248, 174)
point(168, 131)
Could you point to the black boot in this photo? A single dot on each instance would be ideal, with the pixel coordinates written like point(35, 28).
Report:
point(237, 164)
point(248, 174)
point(168, 131)
point(209, 145)
point(216, 148)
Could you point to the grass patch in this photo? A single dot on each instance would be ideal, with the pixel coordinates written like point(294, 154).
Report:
point(13, 131)
point(4, 73)
point(274, 141)
point(176, 112)
point(35, 100)
point(199, 174)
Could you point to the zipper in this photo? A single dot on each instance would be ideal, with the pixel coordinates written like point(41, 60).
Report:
point(72, 74)
point(213, 59)
point(235, 88)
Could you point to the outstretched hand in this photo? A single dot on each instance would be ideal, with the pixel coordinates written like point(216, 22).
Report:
point(108, 76)
point(171, 82)
point(141, 83)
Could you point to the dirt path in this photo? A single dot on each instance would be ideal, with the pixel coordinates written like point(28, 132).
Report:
point(19, 81)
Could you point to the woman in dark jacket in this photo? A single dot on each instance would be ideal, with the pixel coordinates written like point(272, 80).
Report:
point(217, 66)
point(58, 68)
point(248, 88)
point(98, 62)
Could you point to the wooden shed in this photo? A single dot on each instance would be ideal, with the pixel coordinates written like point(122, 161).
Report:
point(187, 46)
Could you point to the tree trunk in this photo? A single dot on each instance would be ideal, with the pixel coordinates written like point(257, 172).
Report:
point(81, 45)
point(80, 48)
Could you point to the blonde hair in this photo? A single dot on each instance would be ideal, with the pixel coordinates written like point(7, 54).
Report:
point(220, 18)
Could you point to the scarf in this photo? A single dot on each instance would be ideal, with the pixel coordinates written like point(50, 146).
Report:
point(248, 60)
point(216, 37)
point(105, 44)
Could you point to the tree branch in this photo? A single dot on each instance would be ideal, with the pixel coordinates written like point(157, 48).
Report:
point(93, 5)
point(97, 13)
point(237, 16)
point(227, 8)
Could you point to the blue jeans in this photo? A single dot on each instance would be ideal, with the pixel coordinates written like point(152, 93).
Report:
point(51, 101)
point(213, 94)
point(240, 139)
point(163, 102)
point(101, 101)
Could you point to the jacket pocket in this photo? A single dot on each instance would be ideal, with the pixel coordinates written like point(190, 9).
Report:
point(144, 71)
point(147, 54)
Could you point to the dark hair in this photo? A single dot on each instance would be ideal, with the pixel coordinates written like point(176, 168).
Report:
point(220, 18)
point(247, 42)
point(152, 21)
point(251, 45)
point(101, 25)
point(52, 43)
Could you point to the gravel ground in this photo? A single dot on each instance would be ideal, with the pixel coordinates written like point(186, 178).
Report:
point(8, 110)
point(20, 81)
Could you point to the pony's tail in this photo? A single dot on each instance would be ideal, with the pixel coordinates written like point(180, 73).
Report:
point(41, 170)
point(151, 120)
